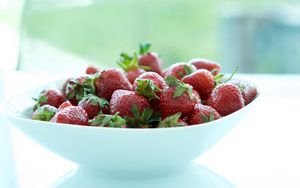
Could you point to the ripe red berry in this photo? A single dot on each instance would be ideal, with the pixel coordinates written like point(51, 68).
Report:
point(202, 81)
point(71, 115)
point(51, 97)
point(203, 114)
point(92, 70)
point(179, 70)
point(94, 105)
point(207, 64)
point(249, 91)
point(226, 98)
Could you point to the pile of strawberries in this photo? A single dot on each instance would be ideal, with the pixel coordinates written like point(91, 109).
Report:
point(145, 96)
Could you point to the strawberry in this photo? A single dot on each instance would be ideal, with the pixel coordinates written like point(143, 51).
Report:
point(77, 88)
point(44, 113)
point(109, 81)
point(149, 59)
point(71, 115)
point(92, 70)
point(249, 91)
point(179, 97)
point(202, 81)
point(172, 121)
point(130, 65)
point(122, 101)
point(149, 84)
point(209, 65)
point(203, 114)
point(94, 105)
point(226, 98)
point(64, 105)
point(51, 97)
point(179, 70)
point(105, 120)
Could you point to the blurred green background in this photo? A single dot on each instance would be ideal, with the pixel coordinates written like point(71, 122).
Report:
point(255, 35)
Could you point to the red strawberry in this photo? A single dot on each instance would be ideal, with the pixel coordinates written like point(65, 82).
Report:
point(130, 65)
point(105, 120)
point(74, 89)
point(226, 98)
point(149, 84)
point(149, 59)
point(122, 101)
point(71, 115)
point(202, 81)
point(109, 81)
point(179, 70)
point(249, 91)
point(92, 70)
point(64, 105)
point(202, 114)
point(209, 65)
point(51, 97)
point(172, 121)
point(179, 97)
point(94, 105)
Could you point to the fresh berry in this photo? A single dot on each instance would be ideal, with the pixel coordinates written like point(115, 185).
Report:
point(226, 98)
point(209, 65)
point(123, 101)
point(249, 91)
point(92, 70)
point(203, 114)
point(51, 97)
point(149, 59)
point(109, 81)
point(202, 81)
point(105, 120)
point(172, 121)
point(64, 105)
point(71, 115)
point(180, 70)
point(44, 113)
point(178, 97)
point(130, 65)
point(150, 85)
point(94, 105)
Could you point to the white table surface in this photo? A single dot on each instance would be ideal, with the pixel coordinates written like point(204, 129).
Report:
point(262, 151)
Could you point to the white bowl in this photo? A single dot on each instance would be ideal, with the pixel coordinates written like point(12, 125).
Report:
point(116, 151)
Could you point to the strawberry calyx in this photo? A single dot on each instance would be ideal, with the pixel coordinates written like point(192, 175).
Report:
point(207, 119)
point(171, 121)
point(144, 48)
point(95, 101)
point(140, 120)
point(130, 63)
point(44, 113)
point(42, 98)
point(219, 78)
point(181, 87)
point(147, 88)
point(104, 120)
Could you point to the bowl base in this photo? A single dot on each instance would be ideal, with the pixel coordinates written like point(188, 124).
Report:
point(191, 176)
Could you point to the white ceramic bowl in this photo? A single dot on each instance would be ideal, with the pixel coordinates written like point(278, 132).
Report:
point(116, 151)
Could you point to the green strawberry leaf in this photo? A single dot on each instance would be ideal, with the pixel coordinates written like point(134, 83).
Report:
point(127, 62)
point(211, 116)
point(235, 70)
point(188, 70)
point(144, 48)
point(204, 118)
point(147, 88)
point(135, 110)
point(171, 121)
point(173, 81)
point(179, 91)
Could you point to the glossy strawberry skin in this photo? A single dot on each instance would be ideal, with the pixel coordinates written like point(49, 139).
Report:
point(92, 106)
point(109, 81)
point(133, 74)
point(226, 98)
point(91, 70)
point(51, 97)
point(123, 100)
point(209, 65)
point(155, 77)
point(71, 115)
point(64, 105)
point(179, 70)
point(202, 81)
point(183, 103)
point(249, 91)
point(201, 110)
point(152, 61)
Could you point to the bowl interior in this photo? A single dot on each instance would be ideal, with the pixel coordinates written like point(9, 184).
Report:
point(115, 149)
